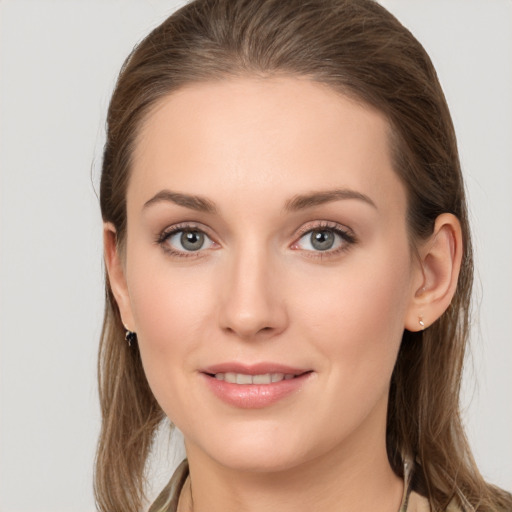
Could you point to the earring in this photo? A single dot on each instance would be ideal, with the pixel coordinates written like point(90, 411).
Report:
point(130, 337)
point(421, 322)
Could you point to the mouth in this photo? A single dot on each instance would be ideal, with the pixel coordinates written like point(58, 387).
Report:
point(254, 386)
point(245, 378)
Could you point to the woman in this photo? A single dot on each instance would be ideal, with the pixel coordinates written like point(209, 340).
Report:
point(289, 266)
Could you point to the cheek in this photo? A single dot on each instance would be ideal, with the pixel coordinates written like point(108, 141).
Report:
point(167, 298)
point(356, 321)
point(171, 312)
point(166, 313)
point(374, 289)
point(356, 317)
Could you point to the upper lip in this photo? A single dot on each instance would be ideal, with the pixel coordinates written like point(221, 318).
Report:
point(253, 369)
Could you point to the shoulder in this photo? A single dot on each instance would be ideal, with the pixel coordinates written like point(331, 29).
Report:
point(418, 503)
point(168, 499)
point(415, 492)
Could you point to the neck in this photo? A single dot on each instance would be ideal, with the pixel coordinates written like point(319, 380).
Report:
point(349, 478)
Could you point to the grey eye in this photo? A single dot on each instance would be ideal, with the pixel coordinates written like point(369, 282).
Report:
point(192, 240)
point(322, 240)
point(188, 240)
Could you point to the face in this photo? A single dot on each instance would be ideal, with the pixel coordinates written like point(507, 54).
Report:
point(268, 270)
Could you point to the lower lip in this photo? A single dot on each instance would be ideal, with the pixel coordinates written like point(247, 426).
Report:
point(255, 396)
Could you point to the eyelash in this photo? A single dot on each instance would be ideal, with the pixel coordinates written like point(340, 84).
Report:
point(345, 233)
point(178, 228)
point(348, 238)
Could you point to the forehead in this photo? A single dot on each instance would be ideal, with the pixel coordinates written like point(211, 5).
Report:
point(262, 135)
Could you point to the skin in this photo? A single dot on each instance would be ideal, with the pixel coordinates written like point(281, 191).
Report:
point(258, 290)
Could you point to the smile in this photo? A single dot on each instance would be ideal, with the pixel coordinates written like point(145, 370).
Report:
point(254, 386)
point(243, 378)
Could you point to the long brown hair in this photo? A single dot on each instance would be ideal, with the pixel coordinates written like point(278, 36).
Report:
point(358, 48)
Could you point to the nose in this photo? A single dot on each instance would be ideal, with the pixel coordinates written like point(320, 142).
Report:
point(252, 301)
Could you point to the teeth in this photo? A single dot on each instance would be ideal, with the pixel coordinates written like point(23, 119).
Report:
point(242, 378)
point(262, 379)
point(230, 377)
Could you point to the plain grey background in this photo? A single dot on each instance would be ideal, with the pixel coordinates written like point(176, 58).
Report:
point(58, 63)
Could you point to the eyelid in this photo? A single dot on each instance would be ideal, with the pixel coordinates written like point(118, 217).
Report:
point(324, 224)
point(347, 234)
point(182, 226)
point(173, 229)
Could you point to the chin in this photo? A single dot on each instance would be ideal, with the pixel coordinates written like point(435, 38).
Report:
point(259, 460)
point(256, 448)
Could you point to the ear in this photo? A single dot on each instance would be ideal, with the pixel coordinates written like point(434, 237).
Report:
point(439, 265)
point(116, 275)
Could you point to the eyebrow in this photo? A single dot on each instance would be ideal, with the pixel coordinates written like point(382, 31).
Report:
point(298, 202)
point(197, 203)
point(301, 202)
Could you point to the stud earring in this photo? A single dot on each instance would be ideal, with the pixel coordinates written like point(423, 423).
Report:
point(421, 322)
point(130, 337)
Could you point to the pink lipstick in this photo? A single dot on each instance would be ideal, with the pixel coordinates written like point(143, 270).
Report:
point(254, 386)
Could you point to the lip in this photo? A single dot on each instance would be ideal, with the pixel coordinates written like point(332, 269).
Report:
point(254, 396)
point(253, 369)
